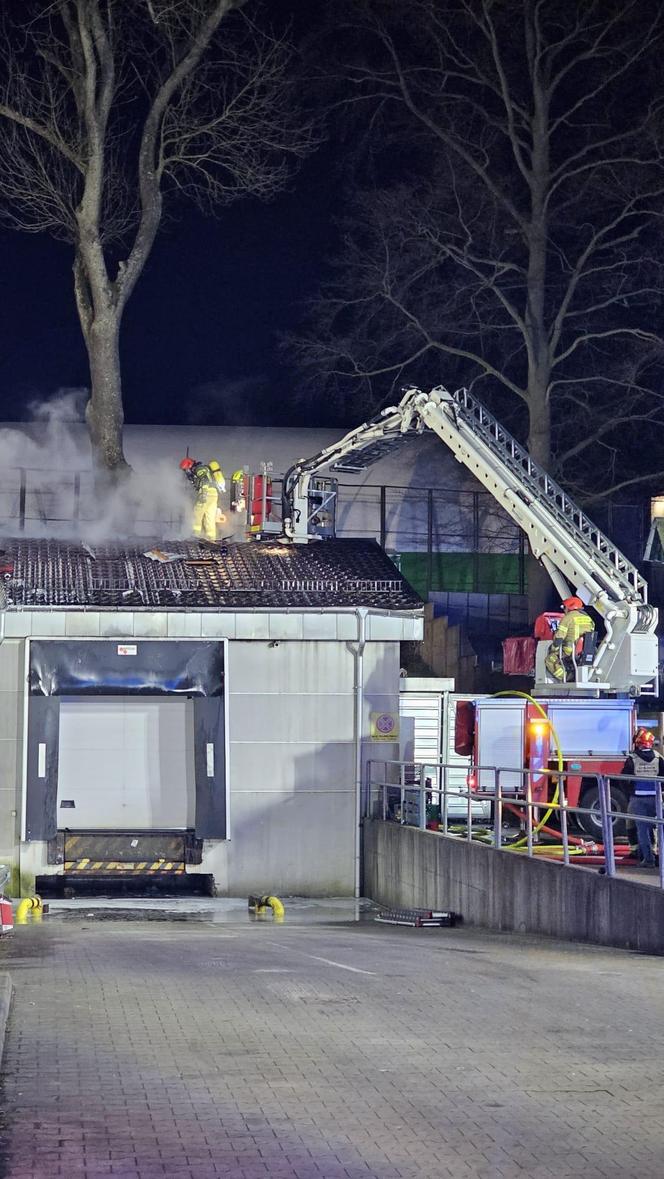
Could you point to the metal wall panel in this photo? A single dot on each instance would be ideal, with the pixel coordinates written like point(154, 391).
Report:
point(293, 718)
point(292, 766)
point(179, 624)
point(280, 668)
point(262, 766)
point(292, 844)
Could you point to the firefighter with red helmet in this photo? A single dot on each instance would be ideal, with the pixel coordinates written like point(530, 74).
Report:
point(573, 626)
point(206, 484)
point(648, 769)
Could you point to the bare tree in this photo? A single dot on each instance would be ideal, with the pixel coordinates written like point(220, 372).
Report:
point(109, 106)
point(512, 212)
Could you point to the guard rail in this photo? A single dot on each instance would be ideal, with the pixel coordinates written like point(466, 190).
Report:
point(404, 791)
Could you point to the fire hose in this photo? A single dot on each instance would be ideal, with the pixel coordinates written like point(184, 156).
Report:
point(519, 843)
point(581, 848)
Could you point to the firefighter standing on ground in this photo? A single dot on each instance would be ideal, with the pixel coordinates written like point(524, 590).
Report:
point(207, 480)
point(574, 625)
point(648, 769)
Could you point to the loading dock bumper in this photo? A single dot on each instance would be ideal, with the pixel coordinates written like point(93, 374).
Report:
point(125, 852)
point(86, 867)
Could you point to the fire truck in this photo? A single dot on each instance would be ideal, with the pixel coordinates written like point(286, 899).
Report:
point(594, 715)
point(594, 737)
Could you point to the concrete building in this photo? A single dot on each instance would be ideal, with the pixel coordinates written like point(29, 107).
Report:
point(200, 711)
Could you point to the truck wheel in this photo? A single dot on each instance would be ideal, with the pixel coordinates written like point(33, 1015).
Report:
point(592, 824)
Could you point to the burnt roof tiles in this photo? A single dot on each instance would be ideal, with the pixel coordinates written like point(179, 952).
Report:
point(248, 575)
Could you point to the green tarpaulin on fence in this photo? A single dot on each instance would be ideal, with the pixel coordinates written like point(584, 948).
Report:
point(481, 573)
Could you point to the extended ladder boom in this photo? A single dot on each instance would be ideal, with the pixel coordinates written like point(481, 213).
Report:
point(574, 551)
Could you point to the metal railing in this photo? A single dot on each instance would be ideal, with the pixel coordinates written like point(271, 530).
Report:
point(406, 792)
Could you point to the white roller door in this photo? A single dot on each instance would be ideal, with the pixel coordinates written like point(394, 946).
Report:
point(125, 763)
point(423, 736)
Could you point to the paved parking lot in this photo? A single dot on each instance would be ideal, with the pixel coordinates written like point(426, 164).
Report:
point(189, 1048)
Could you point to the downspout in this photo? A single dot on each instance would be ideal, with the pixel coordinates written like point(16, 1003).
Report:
point(3, 612)
point(361, 615)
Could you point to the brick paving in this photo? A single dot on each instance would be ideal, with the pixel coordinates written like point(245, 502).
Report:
point(192, 1050)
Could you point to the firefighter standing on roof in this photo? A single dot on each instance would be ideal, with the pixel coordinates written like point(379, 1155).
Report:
point(238, 491)
point(206, 503)
point(573, 626)
point(220, 483)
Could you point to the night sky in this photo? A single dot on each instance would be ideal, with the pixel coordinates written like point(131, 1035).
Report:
point(206, 311)
point(205, 316)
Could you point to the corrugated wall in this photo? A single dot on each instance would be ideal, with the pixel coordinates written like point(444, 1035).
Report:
point(292, 761)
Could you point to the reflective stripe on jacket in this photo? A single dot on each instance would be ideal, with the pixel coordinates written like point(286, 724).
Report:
point(202, 477)
point(648, 771)
point(573, 626)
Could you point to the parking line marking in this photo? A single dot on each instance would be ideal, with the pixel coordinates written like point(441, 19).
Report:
point(327, 961)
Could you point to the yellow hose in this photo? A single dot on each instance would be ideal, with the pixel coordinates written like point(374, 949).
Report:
point(29, 907)
point(518, 845)
point(260, 904)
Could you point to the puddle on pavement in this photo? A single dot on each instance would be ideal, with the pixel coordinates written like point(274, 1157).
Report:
point(221, 910)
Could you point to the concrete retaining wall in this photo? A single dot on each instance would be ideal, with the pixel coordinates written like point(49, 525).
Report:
point(506, 891)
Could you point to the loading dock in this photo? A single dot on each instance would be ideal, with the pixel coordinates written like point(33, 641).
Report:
point(215, 723)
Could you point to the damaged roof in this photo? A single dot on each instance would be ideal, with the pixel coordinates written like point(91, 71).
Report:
point(187, 575)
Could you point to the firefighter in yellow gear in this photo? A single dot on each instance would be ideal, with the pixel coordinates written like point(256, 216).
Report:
point(238, 496)
point(573, 626)
point(220, 483)
point(206, 503)
point(217, 474)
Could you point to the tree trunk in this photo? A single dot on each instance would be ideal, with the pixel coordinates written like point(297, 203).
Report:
point(541, 592)
point(104, 414)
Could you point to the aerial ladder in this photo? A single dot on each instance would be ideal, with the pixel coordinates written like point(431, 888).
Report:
point(578, 557)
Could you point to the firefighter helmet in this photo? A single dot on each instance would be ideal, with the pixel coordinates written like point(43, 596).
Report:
point(213, 465)
point(573, 604)
point(643, 739)
point(187, 463)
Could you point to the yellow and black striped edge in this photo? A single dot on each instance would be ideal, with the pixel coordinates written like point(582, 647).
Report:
point(174, 867)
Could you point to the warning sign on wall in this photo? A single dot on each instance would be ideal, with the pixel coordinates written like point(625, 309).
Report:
point(384, 726)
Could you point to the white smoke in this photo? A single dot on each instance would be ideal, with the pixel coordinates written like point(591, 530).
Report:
point(47, 485)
